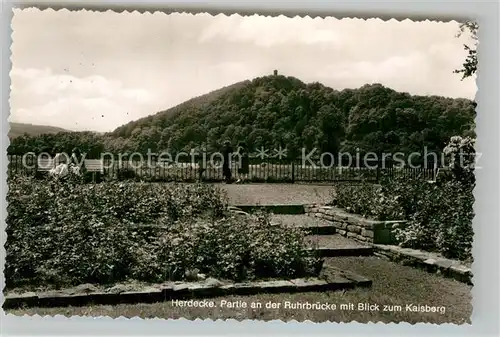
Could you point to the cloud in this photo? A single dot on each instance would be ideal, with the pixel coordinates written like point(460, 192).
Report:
point(91, 102)
point(271, 31)
point(130, 65)
point(424, 72)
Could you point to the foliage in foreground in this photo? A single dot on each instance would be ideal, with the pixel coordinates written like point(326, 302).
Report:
point(440, 213)
point(34, 201)
point(62, 233)
point(239, 248)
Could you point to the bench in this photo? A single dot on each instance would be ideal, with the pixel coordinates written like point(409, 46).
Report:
point(91, 165)
point(94, 165)
point(45, 164)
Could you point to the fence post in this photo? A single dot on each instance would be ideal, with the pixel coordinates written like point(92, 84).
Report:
point(378, 171)
point(293, 171)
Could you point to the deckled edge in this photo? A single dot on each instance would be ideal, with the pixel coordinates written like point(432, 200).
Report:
point(195, 11)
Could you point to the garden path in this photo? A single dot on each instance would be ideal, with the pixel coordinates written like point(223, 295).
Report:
point(292, 194)
point(277, 194)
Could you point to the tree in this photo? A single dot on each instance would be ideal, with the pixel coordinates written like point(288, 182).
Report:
point(462, 158)
point(469, 67)
point(286, 112)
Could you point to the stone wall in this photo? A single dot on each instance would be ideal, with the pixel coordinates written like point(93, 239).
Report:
point(355, 226)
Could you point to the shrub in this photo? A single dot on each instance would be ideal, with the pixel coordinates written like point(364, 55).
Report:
point(461, 156)
point(61, 233)
point(440, 215)
point(125, 173)
point(92, 177)
point(442, 221)
point(229, 248)
point(357, 198)
point(126, 202)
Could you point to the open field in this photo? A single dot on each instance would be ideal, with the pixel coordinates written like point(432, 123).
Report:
point(393, 284)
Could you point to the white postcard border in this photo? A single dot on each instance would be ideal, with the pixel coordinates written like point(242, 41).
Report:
point(486, 251)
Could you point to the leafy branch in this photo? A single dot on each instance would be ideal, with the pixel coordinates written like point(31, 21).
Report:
point(469, 67)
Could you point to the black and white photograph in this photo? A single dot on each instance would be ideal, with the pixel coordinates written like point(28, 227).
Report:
point(241, 167)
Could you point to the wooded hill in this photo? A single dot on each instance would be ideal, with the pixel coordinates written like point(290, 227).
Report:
point(276, 110)
point(19, 129)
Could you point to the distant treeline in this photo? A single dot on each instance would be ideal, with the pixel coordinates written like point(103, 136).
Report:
point(276, 111)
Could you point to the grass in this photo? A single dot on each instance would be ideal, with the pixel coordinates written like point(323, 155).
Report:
point(392, 285)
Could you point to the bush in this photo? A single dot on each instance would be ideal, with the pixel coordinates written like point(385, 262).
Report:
point(125, 173)
point(461, 156)
point(360, 198)
point(65, 233)
point(92, 177)
point(231, 248)
point(440, 215)
point(442, 221)
point(126, 202)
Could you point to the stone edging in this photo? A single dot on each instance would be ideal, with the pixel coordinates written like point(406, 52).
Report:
point(430, 262)
point(355, 226)
point(179, 290)
point(378, 235)
point(321, 230)
point(339, 252)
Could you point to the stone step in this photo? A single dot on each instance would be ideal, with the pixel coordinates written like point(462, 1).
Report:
point(337, 245)
point(309, 224)
point(275, 209)
point(343, 252)
point(322, 235)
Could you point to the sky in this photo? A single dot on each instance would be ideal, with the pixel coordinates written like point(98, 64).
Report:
point(86, 70)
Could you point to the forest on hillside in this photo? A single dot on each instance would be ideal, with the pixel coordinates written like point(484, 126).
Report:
point(19, 129)
point(275, 111)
